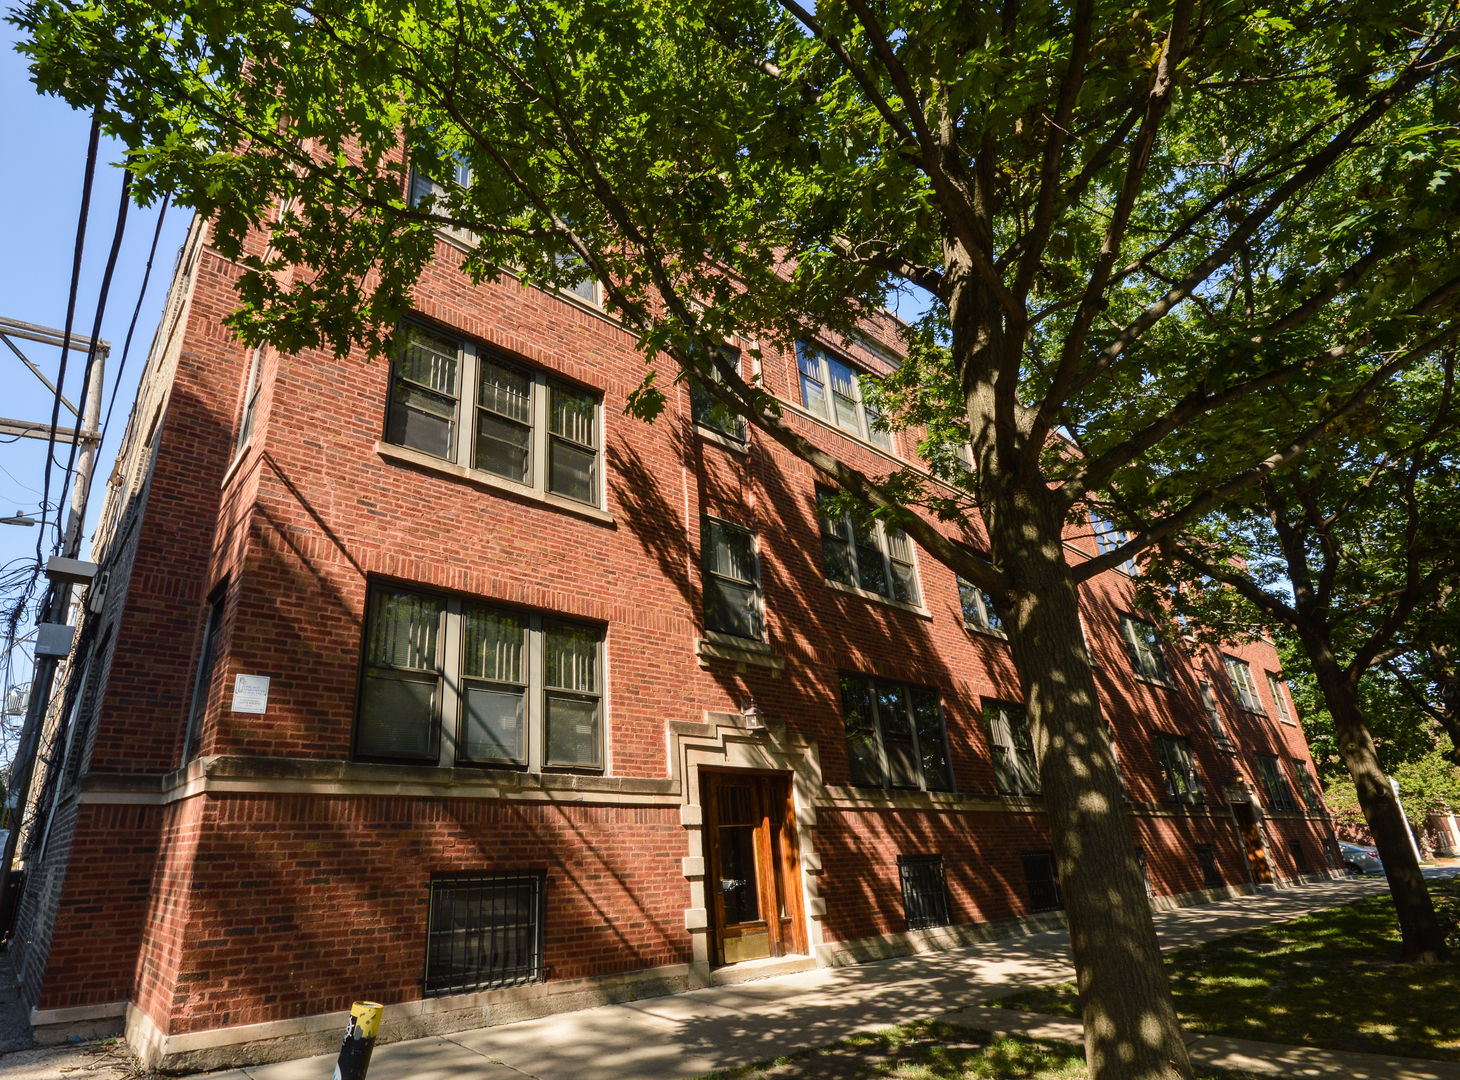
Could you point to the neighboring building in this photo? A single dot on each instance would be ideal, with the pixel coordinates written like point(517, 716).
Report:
point(444, 683)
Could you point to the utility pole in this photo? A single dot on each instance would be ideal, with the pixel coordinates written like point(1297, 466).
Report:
point(22, 770)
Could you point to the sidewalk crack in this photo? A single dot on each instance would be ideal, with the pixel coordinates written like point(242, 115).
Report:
point(490, 1060)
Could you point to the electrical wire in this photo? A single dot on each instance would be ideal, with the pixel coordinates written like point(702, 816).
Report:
point(70, 321)
point(106, 286)
point(127, 345)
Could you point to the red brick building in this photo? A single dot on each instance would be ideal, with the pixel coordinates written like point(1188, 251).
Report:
point(443, 683)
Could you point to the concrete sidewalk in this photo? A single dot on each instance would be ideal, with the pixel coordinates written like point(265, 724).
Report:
point(723, 1027)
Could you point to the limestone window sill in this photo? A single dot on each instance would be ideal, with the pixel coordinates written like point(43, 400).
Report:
point(878, 598)
point(719, 438)
point(739, 651)
point(406, 456)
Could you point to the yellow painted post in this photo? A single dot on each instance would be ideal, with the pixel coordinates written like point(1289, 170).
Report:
point(360, 1034)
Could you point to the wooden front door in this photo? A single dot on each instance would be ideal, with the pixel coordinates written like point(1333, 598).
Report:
point(1252, 841)
point(750, 832)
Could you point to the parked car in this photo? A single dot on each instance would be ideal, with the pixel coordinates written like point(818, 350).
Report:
point(1360, 860)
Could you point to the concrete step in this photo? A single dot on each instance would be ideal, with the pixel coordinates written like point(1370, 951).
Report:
point(767, 968)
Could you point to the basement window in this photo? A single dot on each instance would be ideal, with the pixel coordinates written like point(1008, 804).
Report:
point(484, 931)
point(924, 891)
point(1211, 875)
point(1042, 880)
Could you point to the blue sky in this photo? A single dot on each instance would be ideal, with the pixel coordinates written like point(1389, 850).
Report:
point(41, 196)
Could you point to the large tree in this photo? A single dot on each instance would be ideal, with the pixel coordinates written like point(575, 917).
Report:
point(1132, 224)
point(1342, 551)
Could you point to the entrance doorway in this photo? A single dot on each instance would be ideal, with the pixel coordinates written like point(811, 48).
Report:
point(1252, 842)
point(750, 831)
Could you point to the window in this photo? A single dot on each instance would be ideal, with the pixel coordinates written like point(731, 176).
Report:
point(732, 580)
point(1209, 703)
point(520, 691)
point(1211, 875)
point(924, 891)
point(832, 389)
point(1143, 644)
point(250, 400)
point(709, 411)
point(1279, 698)
point(522, 425)
point(1015, 770)
point(203, 681)
point(978, 610)
point(1306, 787)
point(484, 931)
point(1108, 538)
point(1145, 871)
point(895, 735)
point(1242, 684)
point(1042, 879)
point(1183, 785)
point(869, 556)
point(1270, 772)
point(1300, 857)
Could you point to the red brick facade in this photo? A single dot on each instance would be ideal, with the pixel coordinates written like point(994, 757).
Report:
point(273, 878)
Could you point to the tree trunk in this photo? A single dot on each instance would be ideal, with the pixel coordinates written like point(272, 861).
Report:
point(1131, 1030)
point(1423, 938)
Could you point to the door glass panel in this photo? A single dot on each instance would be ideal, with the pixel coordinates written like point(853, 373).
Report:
point(739, 885)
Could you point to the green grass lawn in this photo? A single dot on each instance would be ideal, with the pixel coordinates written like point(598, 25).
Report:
point(1328, 980)
point(930, 1051)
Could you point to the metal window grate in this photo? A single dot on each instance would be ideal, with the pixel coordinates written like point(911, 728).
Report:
point(484, 931)
point(1300, 858)
point(1043, 881)
point(924, 891)
point(1211, 876)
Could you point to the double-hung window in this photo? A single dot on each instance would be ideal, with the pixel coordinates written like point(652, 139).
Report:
point(1143, 644)
point(1306, 786)
point(732, 580)
point(1183, 784)
point(1274, 784)
point(448, 681)
point(1279, 698)
point(866, 554)
point(1015, 770)
point(1108, 538)
point(709, 411)
point(1242, 685)
point(1213, 710)
point(978, 610)
point(832, 389)
point(250, 399)
point(895, 735)
point(464, 403)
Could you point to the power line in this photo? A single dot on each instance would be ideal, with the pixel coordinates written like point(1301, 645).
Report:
point(127, 345)
point(70, 321)
point(106, 285)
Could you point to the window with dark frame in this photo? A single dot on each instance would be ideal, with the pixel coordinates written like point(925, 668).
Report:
point(1108, 538)
point(1274, 784)
point(250, 400)
point(895, 735)
point(1240, 672)
point(732, 580)
point(832, 389)
point(203, 679)
point(521, 424)
point(1211, 874)
point(1143, 646)
point(978, 610)
point(1183, 784)
point(709, 411)
point(1145, 871)
point(1213, 711)
point(520, 690)
point(866, 554)
point(924, 891)
point(1041, 878)
point(1015, 770)
point(484, 931)
point(1306, 787)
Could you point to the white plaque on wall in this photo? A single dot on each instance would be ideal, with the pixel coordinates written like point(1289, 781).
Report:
point(251, 694)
